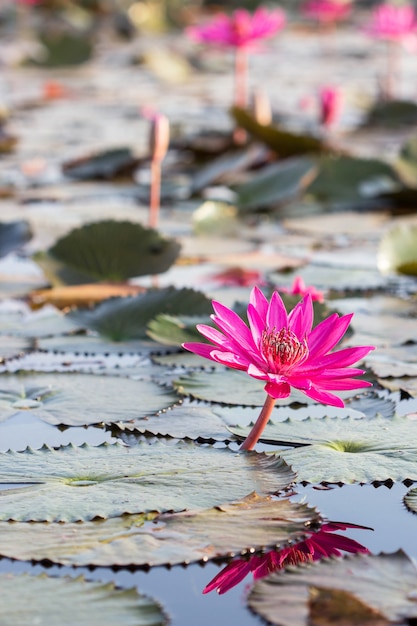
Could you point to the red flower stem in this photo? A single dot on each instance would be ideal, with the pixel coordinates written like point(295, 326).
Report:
point(241, 74)
point(259, 425)
point(155, 193)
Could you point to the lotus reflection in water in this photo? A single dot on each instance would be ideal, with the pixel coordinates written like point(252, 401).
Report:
point(317, 545)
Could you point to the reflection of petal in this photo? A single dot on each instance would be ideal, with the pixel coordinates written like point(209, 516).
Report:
point(318, 545)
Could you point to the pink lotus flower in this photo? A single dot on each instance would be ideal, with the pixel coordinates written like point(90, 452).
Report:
point(392, 22)
point(330, 100)
point(317, 546)
point(327, 11)
point(284, 351)
point(241, 30)
point(299, 288)
point(238, 277)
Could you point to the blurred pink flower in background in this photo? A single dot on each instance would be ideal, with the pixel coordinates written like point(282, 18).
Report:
point(241, 31)
point(299, 288)
point(317, 546)
point(327, 11)
point(397, 25)
point(238, 277)
point(330, 102)
point(283, 350)
point(392, 21)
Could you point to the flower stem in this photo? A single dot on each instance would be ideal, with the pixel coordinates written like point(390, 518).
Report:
point(155, 193)
point(259, 425)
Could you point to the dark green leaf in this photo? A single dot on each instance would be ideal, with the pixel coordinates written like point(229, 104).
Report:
point(13, 235)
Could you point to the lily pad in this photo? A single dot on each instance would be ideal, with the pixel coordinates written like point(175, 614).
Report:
point(346, 450)
point(72, 484)
point(65, 49)
point(410, 500)
point(174, 330)
point(392, 113)
point(122, 319)
point(81, 399)
point(240, 527)
point(231, 387)
point(64, 600)
point(351, 179)
point(91, 345)
point(107, 251)
point(394, 362)
point(13, 235)
point(357, 589)
point(12, 346)
point(102, 165)
point(397, 250)
point(283, 142)
point(276, 184)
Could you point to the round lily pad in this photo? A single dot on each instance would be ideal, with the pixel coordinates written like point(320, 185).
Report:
point(82, 483)
point(81, 399)
point(66, 601)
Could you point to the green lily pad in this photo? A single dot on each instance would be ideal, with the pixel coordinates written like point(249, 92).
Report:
point(351, 179)
point(66, 601)
point(173, 330)
point(397, 250)
point(392, 113)
point(240, 527)
point(410, 500)
point(122, 319)
point(12, 347)
point(65, 49)
point(404, 384)
point(357, 589)
point(326, 277)
point(91, 345)
point(72, 484)
point(394, 362)
point(276, 184)
point(230, 387)
point(283, 142)
point(346, 450)
point(13, 235)
point(81, 399)
point(102, 165)
point(107, 251)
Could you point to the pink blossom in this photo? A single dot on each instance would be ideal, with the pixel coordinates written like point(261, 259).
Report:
point(238, 277)
point(330, 99)
point(299, 288)
point(392, 22)
point(317, 546)
point(283, 349)
point(327, 11)
point(240, 30)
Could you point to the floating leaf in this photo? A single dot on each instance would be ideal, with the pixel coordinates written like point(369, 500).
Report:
point(64, 49)
point(350, 179)
point(276, 184)
point(346, 450)
point(46, 600)
point(240, 527)
point(107, 251)
point(285, 143)
point(397, 250)
point(214, 218)
point(357, 589)
point(13, 235)
point(121, 319)
point(102, 165)
point(173, 330)
point(410, 500)
point(230, 387)
point(394, 362)
point(405, 384)
point(81, 295)
point(12, 346)
point(90, 345)
point(73, 484)
point(81, 399)
point(392, 113)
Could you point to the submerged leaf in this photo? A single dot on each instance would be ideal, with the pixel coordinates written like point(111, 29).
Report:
point(102, 165)
point(239, 527)
point(42, 599)
point(107, 251)
point(359, 589)
point(75, 484)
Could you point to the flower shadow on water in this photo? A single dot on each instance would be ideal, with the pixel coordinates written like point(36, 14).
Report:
point(318, 545)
